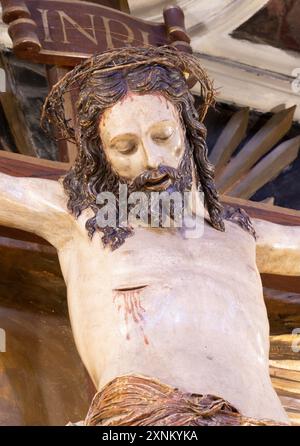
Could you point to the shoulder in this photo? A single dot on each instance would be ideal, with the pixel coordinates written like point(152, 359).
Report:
point(47, 194)
point(48, 200)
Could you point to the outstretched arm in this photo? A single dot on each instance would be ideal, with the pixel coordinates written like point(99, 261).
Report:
point(278, 248)
point(35, 205)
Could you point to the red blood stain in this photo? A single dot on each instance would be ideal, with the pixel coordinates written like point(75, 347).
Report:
point(129, 302)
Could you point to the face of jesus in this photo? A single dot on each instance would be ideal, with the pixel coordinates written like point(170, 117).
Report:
point(141, 133)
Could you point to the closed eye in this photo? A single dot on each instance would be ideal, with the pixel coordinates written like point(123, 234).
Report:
point(163, 135)
point(126, 147)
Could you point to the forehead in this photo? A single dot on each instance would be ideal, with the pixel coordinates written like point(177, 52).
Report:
point(136, 114)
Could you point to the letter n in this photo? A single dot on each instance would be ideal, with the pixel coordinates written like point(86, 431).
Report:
point(65, 18)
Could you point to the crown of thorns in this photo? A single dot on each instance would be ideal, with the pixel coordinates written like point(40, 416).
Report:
point(53, 113)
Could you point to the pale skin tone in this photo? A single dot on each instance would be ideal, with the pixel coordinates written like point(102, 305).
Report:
point(198, 320)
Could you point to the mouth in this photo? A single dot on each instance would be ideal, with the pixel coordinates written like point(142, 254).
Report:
point(161, 182)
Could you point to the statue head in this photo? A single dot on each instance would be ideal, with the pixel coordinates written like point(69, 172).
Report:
point(136, 124)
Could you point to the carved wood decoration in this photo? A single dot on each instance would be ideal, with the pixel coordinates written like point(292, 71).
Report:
point(246, 73)
point(65, 32)
point(259, 160)
point(69, 27)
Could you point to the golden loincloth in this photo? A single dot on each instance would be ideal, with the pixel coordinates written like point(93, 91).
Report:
point(140, 401)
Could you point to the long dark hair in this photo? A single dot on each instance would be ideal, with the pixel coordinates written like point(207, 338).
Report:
point(101, 89)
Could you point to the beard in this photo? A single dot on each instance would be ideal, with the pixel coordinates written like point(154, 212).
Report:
point(165, 179)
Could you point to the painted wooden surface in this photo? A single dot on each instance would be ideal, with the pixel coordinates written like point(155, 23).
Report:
point(42, 379)
point(58, 32)
point(285, 379)
point(20, 165)
point(258, 146)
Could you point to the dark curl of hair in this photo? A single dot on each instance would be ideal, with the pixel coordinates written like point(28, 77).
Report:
point(136, 70)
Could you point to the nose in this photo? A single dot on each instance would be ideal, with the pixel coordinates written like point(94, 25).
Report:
point(153, 155)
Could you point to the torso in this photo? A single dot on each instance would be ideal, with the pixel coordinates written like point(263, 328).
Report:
point(189, 312)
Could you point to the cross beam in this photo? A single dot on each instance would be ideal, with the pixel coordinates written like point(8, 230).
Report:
point(26, 166)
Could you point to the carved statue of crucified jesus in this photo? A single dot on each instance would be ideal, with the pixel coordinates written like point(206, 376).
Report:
point(172, 329)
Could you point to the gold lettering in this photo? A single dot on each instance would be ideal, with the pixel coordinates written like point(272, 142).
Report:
point(65, 18)
point(44, 14)
point(119, 36)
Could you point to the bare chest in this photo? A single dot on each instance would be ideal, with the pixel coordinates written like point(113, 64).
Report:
point(160, 254)
point(161, 266)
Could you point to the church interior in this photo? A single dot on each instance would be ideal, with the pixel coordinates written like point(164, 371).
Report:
point(251, 49)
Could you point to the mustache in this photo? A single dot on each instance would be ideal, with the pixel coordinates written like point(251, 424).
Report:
point(163, 172)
